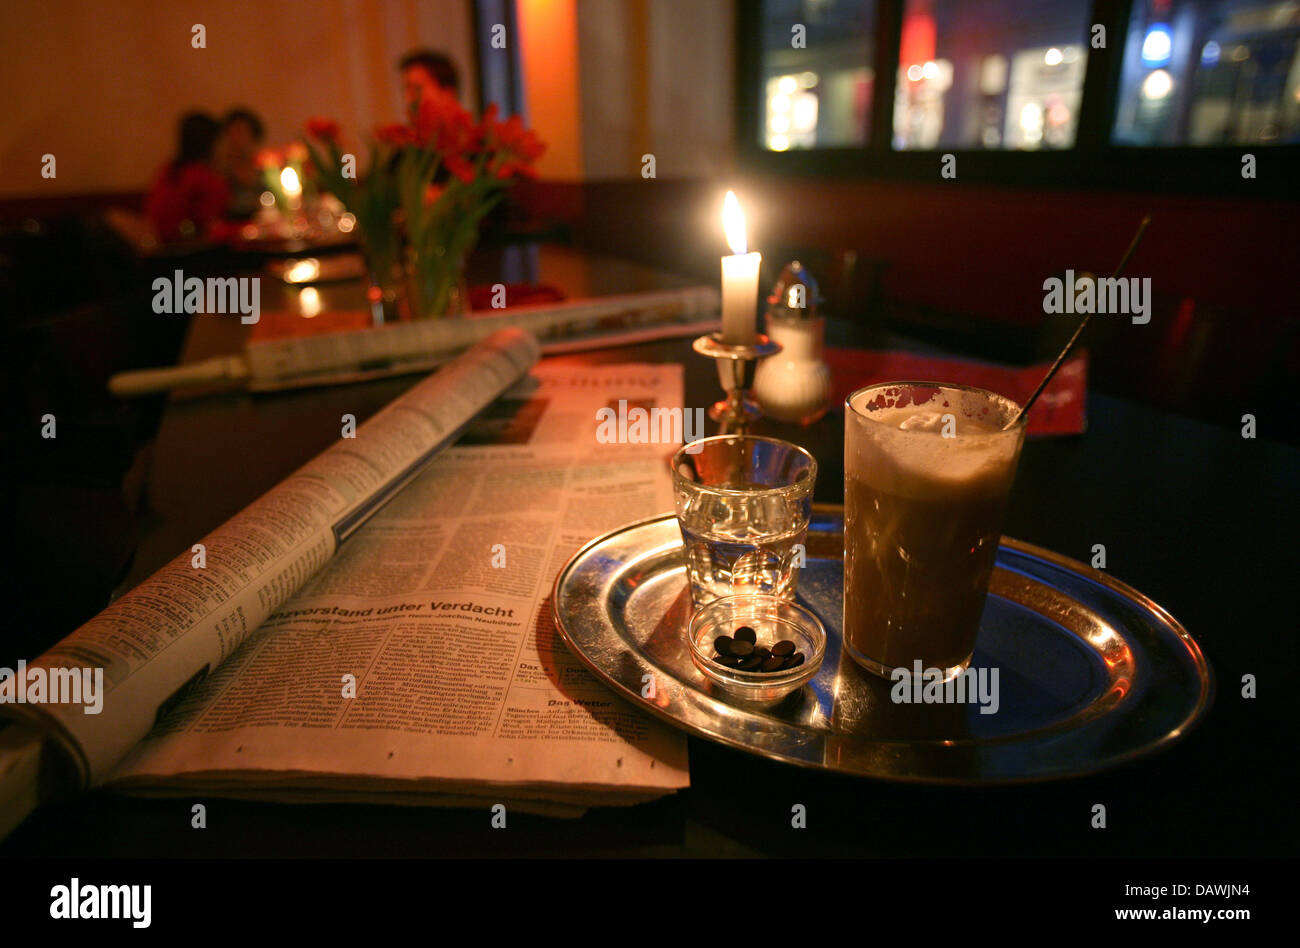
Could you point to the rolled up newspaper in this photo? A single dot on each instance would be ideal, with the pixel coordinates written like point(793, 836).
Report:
point(157, 640)
point(418, 345)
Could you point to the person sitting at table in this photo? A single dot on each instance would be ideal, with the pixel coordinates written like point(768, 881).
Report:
point(189, 196)
point(424, 71)
point(241, 136)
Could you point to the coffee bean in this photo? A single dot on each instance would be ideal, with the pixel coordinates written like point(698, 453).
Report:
point(741, 651)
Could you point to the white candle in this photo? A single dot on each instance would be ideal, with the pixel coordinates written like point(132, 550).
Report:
point(739, 279)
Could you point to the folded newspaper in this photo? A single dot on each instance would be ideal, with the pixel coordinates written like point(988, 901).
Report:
point(318, 648)
point(284, 351)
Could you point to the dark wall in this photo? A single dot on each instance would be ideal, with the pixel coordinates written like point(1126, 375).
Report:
point(981, 252)
point(963, 268)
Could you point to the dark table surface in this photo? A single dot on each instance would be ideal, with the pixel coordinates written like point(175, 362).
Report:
point(1197, 517)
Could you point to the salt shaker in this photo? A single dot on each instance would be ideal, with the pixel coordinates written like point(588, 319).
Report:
point(795, 384)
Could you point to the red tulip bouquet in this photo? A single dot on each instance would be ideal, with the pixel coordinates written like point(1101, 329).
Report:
point(443, 172)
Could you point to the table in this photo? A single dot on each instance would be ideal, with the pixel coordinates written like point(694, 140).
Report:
point(1195, 516)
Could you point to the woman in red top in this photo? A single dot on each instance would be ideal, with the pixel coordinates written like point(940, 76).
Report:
point(189, 196)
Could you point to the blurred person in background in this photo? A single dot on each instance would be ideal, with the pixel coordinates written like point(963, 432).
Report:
point(423, 71)
point(242, 133)
point(189, 196)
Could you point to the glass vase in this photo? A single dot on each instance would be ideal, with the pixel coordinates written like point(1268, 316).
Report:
point(436, 285)
point(385, 286)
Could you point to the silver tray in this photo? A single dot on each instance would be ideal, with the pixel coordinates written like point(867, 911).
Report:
point(1091, 672)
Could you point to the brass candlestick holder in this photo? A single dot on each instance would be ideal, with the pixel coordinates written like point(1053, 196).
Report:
point(736, 367)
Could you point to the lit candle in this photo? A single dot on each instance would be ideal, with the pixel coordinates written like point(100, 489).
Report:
point(292, 187)
point(290, 183)
point(739, 279)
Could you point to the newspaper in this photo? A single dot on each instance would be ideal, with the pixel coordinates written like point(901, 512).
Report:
point(280, 355)
point(339, 346)
point(420, 665)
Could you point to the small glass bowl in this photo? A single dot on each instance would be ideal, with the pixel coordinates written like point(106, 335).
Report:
point(772, 619)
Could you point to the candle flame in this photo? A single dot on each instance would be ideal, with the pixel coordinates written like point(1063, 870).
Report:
point(733, 222)
point(289, 181)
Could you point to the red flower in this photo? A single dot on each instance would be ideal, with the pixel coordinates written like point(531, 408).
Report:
point(395, 135)
point(516, 143)
point(324, 129)
point(533, 146)
point(461, 168)
point(485, 133)
point(512, 131)
point(441, 123)
point(496, 149)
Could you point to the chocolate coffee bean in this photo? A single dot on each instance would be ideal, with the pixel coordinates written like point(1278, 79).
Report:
point(742, 649)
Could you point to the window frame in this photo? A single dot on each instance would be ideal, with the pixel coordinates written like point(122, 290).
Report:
point(1094, 163)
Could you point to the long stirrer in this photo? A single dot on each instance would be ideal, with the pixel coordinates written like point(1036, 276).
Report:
point(1119, 271)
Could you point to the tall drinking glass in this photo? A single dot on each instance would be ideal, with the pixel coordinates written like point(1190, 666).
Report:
point(928, 469)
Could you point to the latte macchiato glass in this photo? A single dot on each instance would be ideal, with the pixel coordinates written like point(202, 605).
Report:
point(928, 469)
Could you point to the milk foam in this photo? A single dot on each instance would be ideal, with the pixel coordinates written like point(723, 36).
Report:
point(902, 451)
point(922, 421)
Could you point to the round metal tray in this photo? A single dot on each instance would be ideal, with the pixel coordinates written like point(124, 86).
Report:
point(1091, 673)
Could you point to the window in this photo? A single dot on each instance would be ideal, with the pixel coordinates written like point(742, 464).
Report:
point(1145, 95)
point(1223, 72)
point(990, 74)
point(817, 77)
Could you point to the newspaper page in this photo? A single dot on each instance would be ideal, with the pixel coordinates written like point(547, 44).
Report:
point(425, 657)
point(175, 628)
